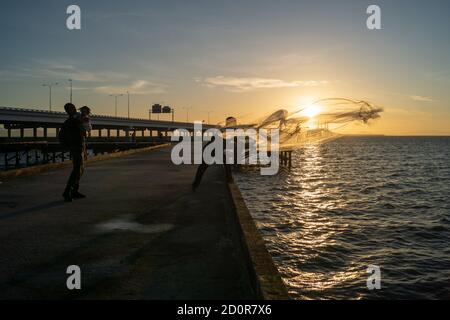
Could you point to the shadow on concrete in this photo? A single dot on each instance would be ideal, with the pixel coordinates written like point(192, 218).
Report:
point(48, 205)
point(8, 204)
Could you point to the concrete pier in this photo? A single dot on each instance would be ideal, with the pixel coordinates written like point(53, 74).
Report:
point(141, 234)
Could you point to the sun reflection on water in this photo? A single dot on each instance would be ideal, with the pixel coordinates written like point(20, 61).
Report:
point(319, 229)
point(351, 203)
point(305, 221)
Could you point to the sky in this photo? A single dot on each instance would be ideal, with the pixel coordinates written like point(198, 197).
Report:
point(242, 58)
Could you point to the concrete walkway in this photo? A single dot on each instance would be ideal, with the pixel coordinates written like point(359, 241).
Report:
point(141, 234)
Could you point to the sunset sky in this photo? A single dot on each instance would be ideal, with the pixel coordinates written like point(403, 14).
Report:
point(240, 58)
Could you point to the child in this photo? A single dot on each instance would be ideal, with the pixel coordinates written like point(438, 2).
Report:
point(85, 119)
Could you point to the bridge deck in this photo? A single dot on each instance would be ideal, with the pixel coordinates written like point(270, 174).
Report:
point(30, 118)
point(141, 233)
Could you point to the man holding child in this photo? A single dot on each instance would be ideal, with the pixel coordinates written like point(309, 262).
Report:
point(73, 136)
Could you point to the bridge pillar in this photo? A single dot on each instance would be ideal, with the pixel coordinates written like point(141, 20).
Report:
point(108, 133)
point(22, 132)
point(35, 132)
point(9, 133)
point(45, 132)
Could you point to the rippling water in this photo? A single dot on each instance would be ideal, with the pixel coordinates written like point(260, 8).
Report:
point(355, 202)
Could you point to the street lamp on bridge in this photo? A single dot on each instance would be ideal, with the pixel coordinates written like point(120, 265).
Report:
point(70, 81)
point(187, 113)
point(128, 95)
point(50, 85)
point(208, 113)
point(115, 100)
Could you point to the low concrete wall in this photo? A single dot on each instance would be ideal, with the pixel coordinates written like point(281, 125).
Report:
point(11, 174)
point(265, 278)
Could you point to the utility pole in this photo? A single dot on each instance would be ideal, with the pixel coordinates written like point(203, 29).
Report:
point(70, 81)
point(115, 99)
point(50, 85)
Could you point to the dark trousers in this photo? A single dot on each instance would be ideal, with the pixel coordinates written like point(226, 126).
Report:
point(202, 168)
point(78, 158)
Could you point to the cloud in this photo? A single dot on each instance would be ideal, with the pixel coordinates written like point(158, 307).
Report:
point(421, 98)
point(17, 74)
point(404, 111)
point(76, 88)
point(441, 75)
point(137, 87)
point(68, 71)
point(56, 71)
point(97, 81)
point(236, 84)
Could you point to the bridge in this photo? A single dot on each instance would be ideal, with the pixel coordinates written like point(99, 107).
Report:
point(109, 135)
point(31, 137)
point(20, 119)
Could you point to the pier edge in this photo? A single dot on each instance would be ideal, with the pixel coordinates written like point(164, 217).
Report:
point(265, 277)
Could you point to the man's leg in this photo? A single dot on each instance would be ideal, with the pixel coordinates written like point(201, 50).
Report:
point(74, 178)
point(79, 169)
point(198, 176)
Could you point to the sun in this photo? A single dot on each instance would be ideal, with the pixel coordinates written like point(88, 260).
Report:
point(312, 110)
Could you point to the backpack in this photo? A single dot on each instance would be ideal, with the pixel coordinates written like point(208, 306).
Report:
point(64, 134)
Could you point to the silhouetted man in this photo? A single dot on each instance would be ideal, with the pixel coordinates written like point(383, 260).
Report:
point(73, 137)
point(204, 166)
